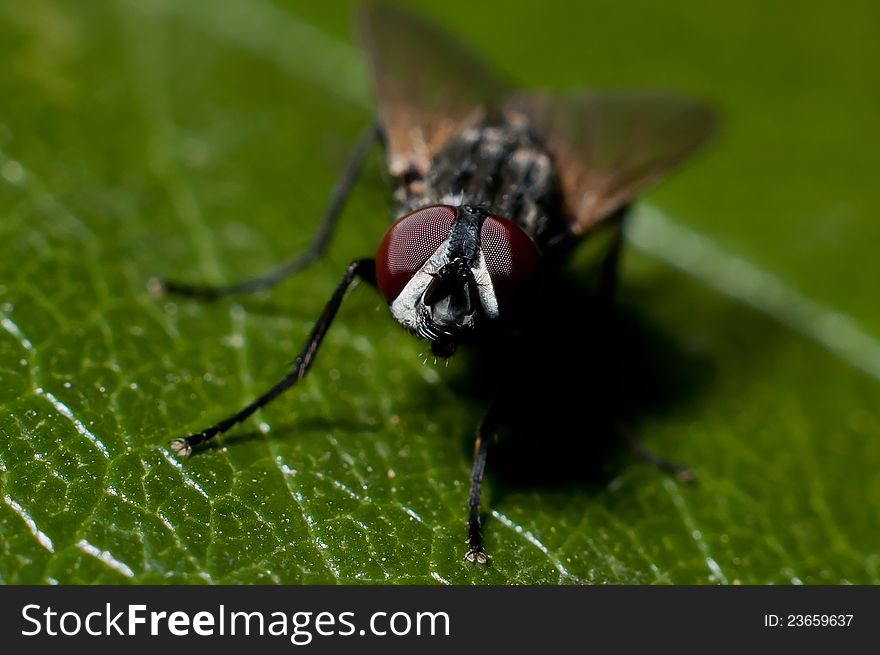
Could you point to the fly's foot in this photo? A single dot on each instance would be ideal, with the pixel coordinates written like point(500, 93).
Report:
point(184, 447)
point(156, 286)
point(682, 472)
point(477, 555)
point(181, 447)
point(679, 471)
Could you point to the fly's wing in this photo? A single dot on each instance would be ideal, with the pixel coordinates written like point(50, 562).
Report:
point(609, 146)
point(428, 85)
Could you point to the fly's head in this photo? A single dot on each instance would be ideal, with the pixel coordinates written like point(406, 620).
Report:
point(447, 271)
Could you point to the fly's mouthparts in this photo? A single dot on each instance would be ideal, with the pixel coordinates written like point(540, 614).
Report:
point(430, 331)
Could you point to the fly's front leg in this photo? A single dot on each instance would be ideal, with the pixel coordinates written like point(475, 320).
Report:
point(316, 248)
point(361, 268)
point(486, 430)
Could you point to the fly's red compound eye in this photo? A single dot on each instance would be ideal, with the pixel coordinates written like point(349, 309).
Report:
point(511, 256)
point(408, 244)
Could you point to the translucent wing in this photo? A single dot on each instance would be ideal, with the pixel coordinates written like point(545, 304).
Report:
point(428, 85)
point(611, 145)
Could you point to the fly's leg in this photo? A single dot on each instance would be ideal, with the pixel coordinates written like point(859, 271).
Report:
point(608, 278)
point(361, 268)
point(316, 248)
point(610, 267)
point(681, 472)
point(476, 553)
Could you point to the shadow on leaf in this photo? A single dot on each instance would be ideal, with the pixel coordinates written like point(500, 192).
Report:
point(570, 381)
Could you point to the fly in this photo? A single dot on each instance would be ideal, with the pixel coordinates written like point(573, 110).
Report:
point(492, 188)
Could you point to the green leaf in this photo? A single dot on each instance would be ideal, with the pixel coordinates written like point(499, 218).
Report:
point(201, 140)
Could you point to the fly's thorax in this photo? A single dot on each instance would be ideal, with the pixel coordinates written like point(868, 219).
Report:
point(448, 270)
point(501, 167)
